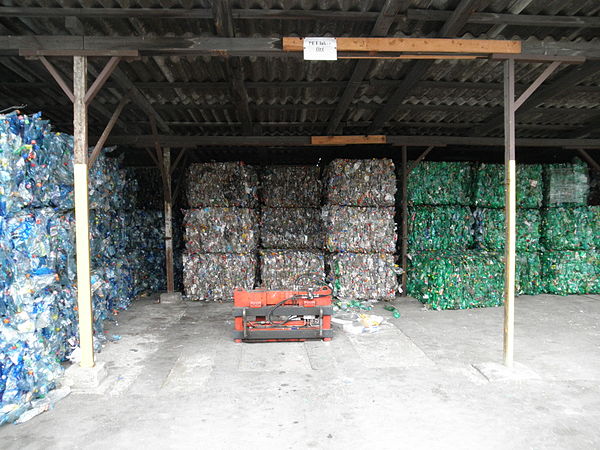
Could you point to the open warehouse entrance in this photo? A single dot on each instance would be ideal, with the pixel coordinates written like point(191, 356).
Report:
point(448, 154)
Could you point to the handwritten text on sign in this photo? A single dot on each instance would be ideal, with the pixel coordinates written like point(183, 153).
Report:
point(320, 48)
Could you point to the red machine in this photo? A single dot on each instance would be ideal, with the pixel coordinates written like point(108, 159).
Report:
point(263, 315)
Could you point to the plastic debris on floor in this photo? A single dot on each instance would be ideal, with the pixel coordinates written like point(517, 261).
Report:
point(221, 230)
point(489, 185)
point(291, 228)
point(566, 184)
point(359, 230)
point(213, 276)
point(290, 186)
point(490, 229)
point(439, 228)
point(364, 276)
point(571, 272)
point(441, 183)
point(360, 182)
point(291, 269)
point(445, 280)
point(571, 228)
point(221, 184)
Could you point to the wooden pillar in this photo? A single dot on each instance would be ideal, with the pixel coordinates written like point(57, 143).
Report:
point(80, 167)
point(168, 198)
point(510, 210)
point(404, 238)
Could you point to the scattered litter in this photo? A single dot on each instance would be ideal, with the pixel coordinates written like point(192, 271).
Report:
point(393, 310)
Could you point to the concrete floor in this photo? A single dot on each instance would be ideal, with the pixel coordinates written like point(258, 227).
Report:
point(178, 381)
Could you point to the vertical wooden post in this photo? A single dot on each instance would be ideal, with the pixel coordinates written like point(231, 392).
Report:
point(404, 238)
point(510, 210)
point(80, 167)
point(168, 219)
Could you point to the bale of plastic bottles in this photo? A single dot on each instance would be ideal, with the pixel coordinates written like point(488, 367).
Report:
point(148, 194)
point(221, 184)
point(571, 272)
point(489, 185)
point(290, 186)
point(566, 184)
point(291, 269)
point(571, 228)
point(291, 228)
point(360, 182)
point(362, 276)
point(490, 229)
point(359, 229)
point(445, 280)
point(439, 228)
point(214, 276)
point(441, 183)
point(221, 230)
point(528, 276)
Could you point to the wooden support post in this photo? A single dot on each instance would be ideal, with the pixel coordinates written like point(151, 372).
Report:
point(84, 292)
point(168, 220)
point(404, 238)
point(510, 210)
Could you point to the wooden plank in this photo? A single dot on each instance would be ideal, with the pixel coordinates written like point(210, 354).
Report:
point(101, 79)
point(414, 45)
point(345, 140)
point(526, 20)
point(404, 231)
point(109, 127)
point(58, 78)
point(168, 204)
point(510, 212)
point(74, 52)
point(82, 242)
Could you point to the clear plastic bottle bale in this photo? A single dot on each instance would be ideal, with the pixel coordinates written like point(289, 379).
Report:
point(290, 269)
point(489, 185)
point(440, 228)
point(571, 272)
point(571, 228)
point(441, 183)
point(359, 229)
point(221, 184)
point(360, 276)
point(469, 279)
point(528, 279)
point(221, 230)
point(214, 276)
point(566, 184)
point(490, 229)
point(291, 228)
point(290, 186)
point(360, 182)
point(148, 192)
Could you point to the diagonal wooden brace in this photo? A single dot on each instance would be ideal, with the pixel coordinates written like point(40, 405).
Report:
point(104, 136)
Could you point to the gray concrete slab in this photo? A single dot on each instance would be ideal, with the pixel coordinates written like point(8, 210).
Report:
point(177, 380)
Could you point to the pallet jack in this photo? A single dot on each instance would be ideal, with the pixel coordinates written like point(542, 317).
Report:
point(262, 315)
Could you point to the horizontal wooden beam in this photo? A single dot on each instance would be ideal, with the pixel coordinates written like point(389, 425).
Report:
point(147, 141)
point(526, 20)
point(414, 45)
point(345, 140)
point(221, 46)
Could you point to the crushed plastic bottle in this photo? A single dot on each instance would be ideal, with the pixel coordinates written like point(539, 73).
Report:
point(393, 310)
point(490, 229)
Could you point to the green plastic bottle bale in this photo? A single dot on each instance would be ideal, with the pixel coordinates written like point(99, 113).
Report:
point(571, 228)
point(489, 185)
point(528, 279)
point(445, 280)
point(439, 228)
point(441, 183)
point(566, 184)
point(490, 229)
point(571, 272)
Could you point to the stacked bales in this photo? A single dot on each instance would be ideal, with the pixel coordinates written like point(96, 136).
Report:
point(37, 270)
point(490, 222)
point(290, 227)
point(360, 232)
point(570, 232)
point(221, 233)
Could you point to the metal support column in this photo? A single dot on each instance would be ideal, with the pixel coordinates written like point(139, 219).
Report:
point(80, 167)
point(510, 182)
point(168, 219)
point(404, 237)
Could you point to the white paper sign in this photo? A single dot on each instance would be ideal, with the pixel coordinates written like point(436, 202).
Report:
point(320, 48)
